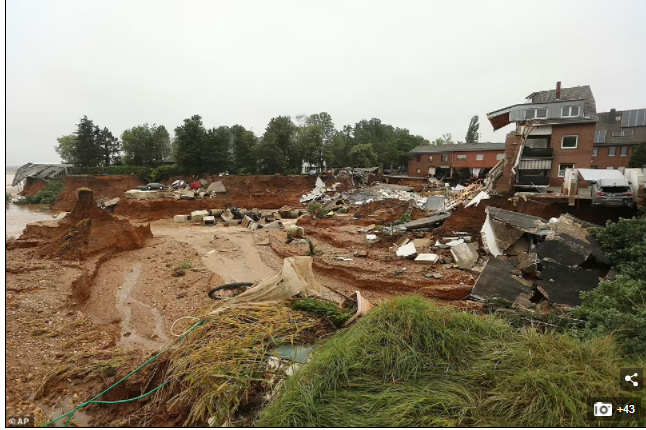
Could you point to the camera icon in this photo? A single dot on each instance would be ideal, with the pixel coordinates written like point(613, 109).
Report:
point(602, 409)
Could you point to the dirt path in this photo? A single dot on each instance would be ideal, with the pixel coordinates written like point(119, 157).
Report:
point(125, 303)
point(228, 251)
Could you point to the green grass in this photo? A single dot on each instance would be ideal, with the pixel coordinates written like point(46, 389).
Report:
point(47, 195)
point(411, 363)
point(329, 310)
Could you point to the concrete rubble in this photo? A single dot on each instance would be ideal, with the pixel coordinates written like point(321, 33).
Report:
point(546, 259)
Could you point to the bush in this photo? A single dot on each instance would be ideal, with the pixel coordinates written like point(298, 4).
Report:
point(411, 363)
point(142, 171)
point(618, 306)
point(47, 195)
point(314, 208)
point(164, 172)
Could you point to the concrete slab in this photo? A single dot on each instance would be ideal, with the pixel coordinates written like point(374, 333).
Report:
point(426, 222)
point(525, 262)
point(568, 253)
point(197, 216)
point(563, 285)
point(216, 212)
point(496, 281)
point(435, 203)
point(208, 220)
point(421, 243)
point(407, 250)
point(519, 220)
point(464, 255)
point(427, 258)
point(180, 218)
point(216, 187)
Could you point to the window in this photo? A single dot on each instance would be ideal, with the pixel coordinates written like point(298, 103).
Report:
point(500, 156)
point(570, 111)
point(462, 157)
point(569, 142)
point(623, 151)
point(479, 157)
point(595, 152)
point(430, 158)
point(622, 133)
point(536, 113)
point(419, 170)
point(611, 151)
point(600, 136)
point(418, 158)
point(562, 168)
point(445, 157)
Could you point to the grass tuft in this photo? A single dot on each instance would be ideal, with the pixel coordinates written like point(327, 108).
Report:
point(411, 363)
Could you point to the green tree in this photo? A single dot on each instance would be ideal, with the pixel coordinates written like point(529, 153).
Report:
point(638, 158)
point(145, 145)
point(65, 148)
point(446, 139)
point(472, 133)
point(280, 136)
point(363, 155)
point(218, 147)
point(110, 145)
point(191, 151)
point(243, 148)
point(87, 151)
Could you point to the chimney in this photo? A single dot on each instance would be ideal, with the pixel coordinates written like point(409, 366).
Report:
point(558, 90)
point(612, 117)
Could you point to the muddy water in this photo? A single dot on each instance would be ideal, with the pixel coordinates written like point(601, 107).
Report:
point(129, 336)
point(17, 216)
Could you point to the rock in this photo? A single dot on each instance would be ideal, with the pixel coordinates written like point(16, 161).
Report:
point(182, 294)
point(178, 272)
point(361, 254)
point(407, 250)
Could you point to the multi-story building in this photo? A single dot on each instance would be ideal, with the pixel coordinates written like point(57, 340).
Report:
point(616, 135)
point(555, 130)
point(455, 160)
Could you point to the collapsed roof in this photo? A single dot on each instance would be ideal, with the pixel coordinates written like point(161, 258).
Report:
point(45, 172)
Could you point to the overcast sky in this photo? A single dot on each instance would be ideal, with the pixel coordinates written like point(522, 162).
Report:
point(423, 65)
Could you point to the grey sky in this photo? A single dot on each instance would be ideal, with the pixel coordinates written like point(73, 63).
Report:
point(424, 65)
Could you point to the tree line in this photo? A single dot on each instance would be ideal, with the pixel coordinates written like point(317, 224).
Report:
point(284, 146)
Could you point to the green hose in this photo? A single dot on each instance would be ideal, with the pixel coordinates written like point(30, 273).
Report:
point(71, 413)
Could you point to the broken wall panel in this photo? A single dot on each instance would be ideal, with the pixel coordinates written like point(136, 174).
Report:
point(496, 281)
point(563, 285)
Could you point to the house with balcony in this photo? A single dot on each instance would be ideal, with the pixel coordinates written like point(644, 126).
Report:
point(455, 161)
point(616, 136)
point(554, 130)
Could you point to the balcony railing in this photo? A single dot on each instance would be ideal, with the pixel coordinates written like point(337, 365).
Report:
point(537, 152)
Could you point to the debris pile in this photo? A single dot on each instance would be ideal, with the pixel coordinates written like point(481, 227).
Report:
point(534, 260)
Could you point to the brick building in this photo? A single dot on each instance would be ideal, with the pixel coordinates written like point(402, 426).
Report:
point(616, 136)
point(555, 130)
point(455, 160)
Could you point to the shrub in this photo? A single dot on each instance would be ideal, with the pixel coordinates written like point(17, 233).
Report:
point(162, 173)
point(142, 171)
point(314, 208)
point(47, 195)
point(618, 306)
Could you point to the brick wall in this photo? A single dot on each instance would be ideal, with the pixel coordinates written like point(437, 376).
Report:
point(505, 183)
point(581, 156)
point(425, 162)
point(603, 159)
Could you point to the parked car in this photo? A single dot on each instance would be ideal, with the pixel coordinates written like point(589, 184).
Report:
point(612, 192)
point(154, 186)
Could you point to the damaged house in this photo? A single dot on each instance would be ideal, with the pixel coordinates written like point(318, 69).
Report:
point(455, 160)
point(555, 130)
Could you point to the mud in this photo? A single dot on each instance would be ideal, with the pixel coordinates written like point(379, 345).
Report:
point(32, 186)
point(86, 231)
point(103, 186)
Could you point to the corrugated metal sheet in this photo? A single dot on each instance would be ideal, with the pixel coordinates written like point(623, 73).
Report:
point(535, 164)
point(517, 112)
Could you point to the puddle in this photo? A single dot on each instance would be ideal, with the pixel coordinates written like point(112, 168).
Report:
point(123, 305)
point(299, 354)
point(65, 405)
